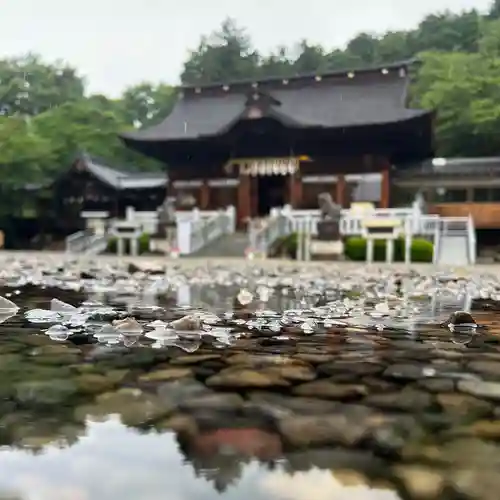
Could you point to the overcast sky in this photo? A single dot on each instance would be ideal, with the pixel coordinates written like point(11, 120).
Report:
point(118, 43)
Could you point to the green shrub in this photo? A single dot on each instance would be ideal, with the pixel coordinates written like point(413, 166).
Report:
point(355, 249)
point(421, 250)
point(285, 246)
point(143, 244)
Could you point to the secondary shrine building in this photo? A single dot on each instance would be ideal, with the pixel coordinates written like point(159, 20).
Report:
point(263, 144)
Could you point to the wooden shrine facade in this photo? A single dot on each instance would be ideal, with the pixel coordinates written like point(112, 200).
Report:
point(264, 144)
point(255, 186)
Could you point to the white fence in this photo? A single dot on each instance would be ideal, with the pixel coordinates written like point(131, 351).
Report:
point(284, 221)
point(196, 229)
point(86, 242)
point(148, 221)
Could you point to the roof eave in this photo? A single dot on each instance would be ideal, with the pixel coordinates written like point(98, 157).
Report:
point(367, 69)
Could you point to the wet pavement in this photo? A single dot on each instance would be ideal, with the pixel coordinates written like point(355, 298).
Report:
point(271, 384)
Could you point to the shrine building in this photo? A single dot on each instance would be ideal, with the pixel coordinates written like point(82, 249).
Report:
point(266, 143)
point(89, 188)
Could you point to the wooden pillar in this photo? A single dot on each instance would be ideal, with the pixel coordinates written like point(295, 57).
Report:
point(340, 191)
point(295, 190)
point(204, 195)
point(385, 187)
point(254, 195)
point(244, 200)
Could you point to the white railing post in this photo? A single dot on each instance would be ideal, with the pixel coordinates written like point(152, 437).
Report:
point(130, 214)
point(389, 251)
point(307, 238)
point(408, 227)
point(369, 251)
point(437, 242)
point(120, 247)
point(471, 239)
point(231, 215)
point(184, 230)
point(300, 239)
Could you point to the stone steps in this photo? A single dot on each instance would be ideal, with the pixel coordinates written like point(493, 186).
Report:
point(228, 245)
point(453, 250)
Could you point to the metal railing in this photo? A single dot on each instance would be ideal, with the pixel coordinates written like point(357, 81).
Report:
point(460, 227)
point(78, 242)
point(264, 232)
point(285, 221)
point(204, 230)
point(86, 242)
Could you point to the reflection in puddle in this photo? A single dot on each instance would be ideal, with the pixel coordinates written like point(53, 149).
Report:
point(115, 463)
point(284, 390)
point(322, 485)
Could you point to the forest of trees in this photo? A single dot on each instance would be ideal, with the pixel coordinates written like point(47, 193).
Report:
point(46, 116)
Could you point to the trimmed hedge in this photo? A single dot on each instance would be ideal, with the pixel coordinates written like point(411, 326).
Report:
point(355, 249)
point(143, 244)
point(421, 250)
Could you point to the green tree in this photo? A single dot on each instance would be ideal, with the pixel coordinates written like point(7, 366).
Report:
point(365, 47)
point(494, 11)
point(146, 104)
point(465, 89)
point(311, 59)
point(278, 63)
point(449, 32)
point(396, 46)
point(224, 55)
point(489, 43)
point(342, 59)
point(76, 126)
point(29, 86)
point(23, 153)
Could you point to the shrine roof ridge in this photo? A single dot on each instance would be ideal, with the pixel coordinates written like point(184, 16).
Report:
point(404, 64)
point(118, 178)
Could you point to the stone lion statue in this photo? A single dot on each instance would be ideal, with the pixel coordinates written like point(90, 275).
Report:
point(328, 209)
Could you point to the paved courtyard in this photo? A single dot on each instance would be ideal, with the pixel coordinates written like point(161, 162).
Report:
point(151, 261)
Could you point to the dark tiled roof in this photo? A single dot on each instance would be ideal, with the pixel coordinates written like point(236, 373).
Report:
point(333, 102)
point(308, 76)
point(446, 167)
point(122, 179)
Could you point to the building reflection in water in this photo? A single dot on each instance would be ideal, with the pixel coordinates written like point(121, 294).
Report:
point(117, 463)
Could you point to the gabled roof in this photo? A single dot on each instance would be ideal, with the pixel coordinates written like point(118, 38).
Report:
point(451, 167)
point(121, 179)
point(370, 96)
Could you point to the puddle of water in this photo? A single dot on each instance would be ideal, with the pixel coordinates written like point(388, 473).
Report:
point(288, 397)
point(113, 462)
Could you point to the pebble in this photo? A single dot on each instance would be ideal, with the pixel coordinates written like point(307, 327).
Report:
point(480, 388)
point(331, 390)
point(421, 483)
point(246, 378)
point(408, 399)
point(461, 405)
point(165, 374)
point(333, 429)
